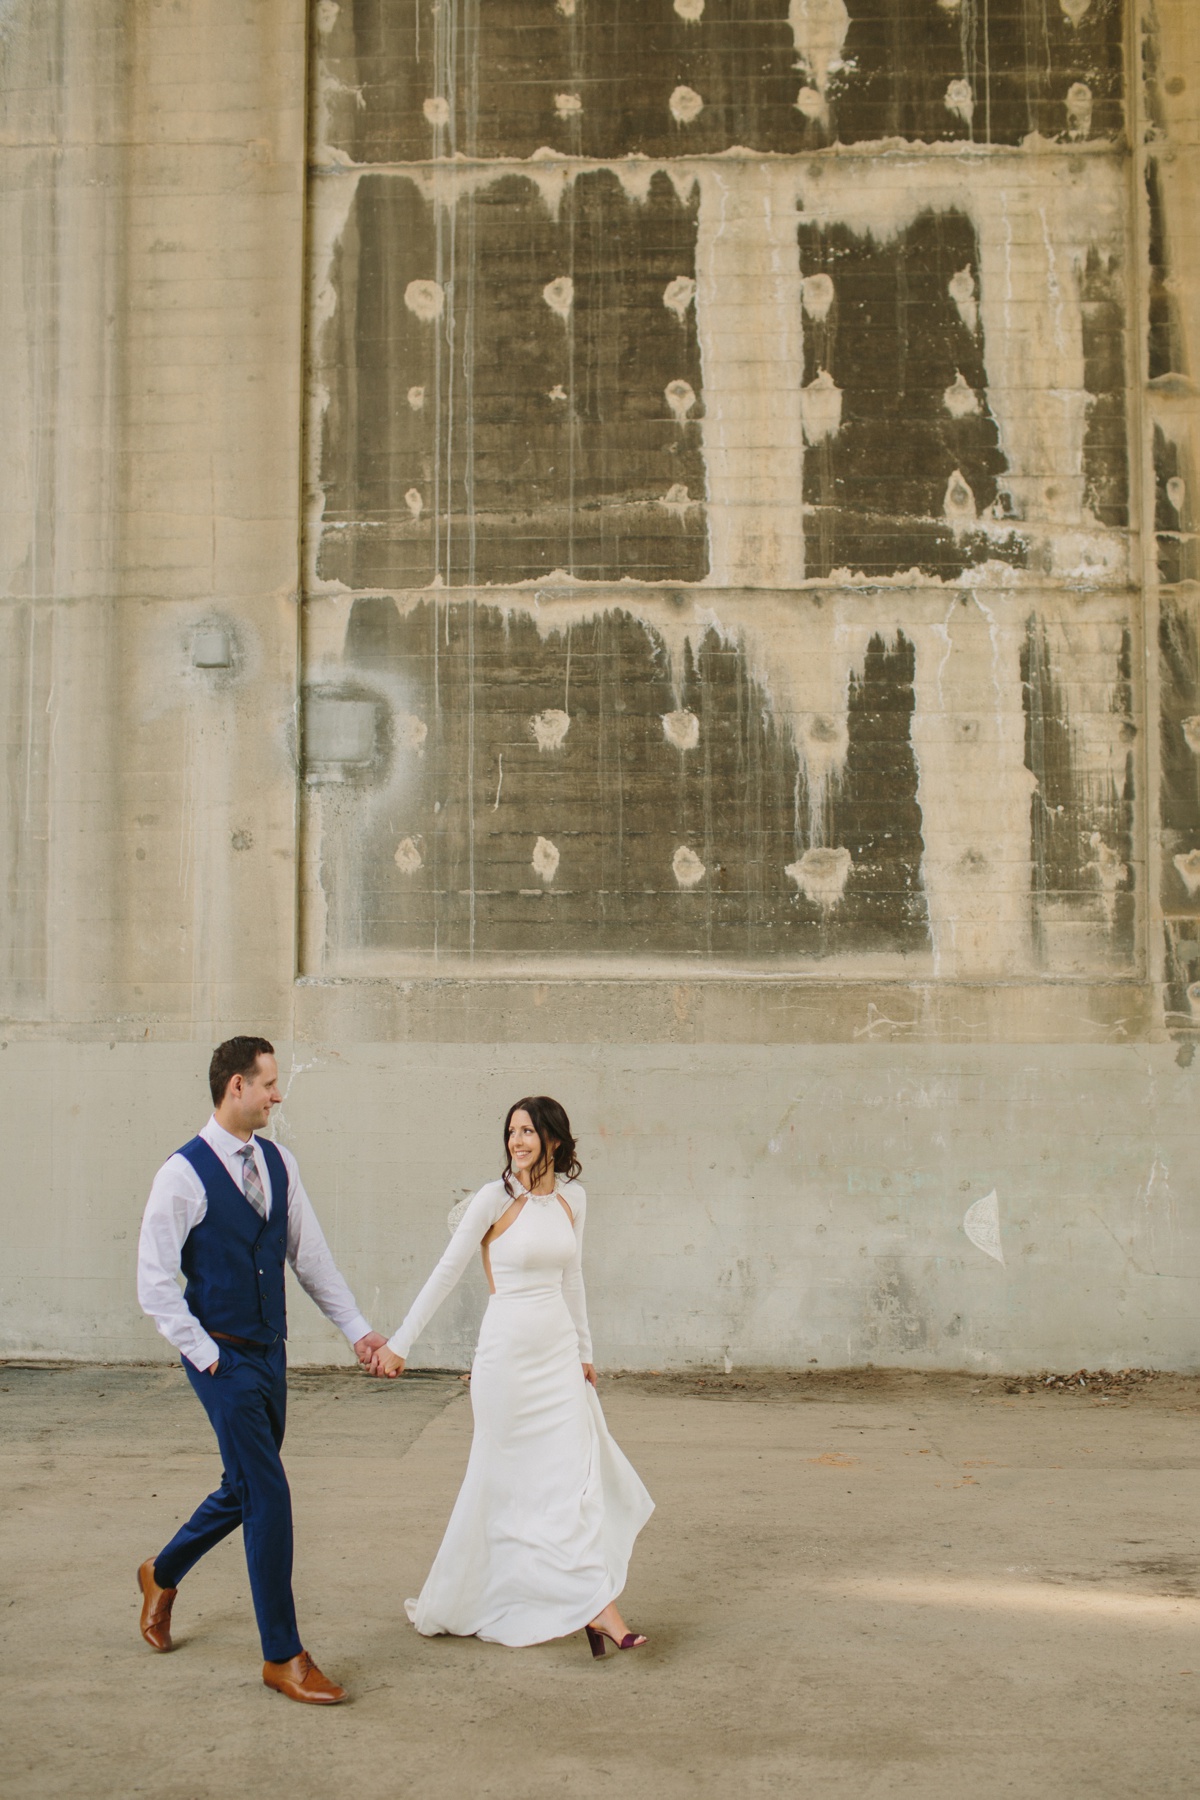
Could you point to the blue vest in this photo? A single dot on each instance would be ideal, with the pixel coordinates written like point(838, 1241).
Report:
point(233, 1260)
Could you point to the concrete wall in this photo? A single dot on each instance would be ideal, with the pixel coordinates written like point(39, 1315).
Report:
point(656, 563)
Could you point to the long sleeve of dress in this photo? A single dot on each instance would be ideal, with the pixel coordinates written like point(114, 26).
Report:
point(483, 1210)
point(572, 1288)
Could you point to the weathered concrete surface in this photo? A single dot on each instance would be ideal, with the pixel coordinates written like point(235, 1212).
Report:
point(895, 1586)
point(706, 618)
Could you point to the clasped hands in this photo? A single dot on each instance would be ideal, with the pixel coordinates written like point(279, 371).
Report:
point(373, 1353)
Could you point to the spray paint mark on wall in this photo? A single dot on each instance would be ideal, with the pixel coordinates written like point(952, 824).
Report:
point(981, 1222)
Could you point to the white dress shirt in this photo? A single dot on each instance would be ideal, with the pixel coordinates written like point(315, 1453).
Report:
point(176, 1206)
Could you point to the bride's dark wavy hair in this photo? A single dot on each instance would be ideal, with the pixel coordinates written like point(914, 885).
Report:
point(551, 1123)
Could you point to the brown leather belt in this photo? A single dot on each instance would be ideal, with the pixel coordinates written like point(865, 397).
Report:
point(227, 1337)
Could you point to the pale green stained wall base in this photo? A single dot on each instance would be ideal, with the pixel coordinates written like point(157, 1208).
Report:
point(794, 1206)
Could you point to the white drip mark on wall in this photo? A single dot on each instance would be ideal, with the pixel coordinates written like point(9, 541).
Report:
point(811, 104)
point(416, 398)
point(545, 859)
point(1191, 733)
point(681, 397)
point(412, 732)
point(559, 295)
point(677, 500)
point(568, 106)
point(678, 295)
point(691, 10)
point(437, 110)
point(819, 30)
point(1079, 109)
point(686, 105)
point(1109, 871)
point(681, 728)
point(962, 515)
point(821, 408)
point(565, 7)
point(816, 293)
point(1177, 492)
point(426, 299)
point(981, 1222)
point(960, 100)
point(499, 781)
point(689, 870)
point(327, 12)
point(550, 728)
point(1075, 9)
point(962, 292)
point(821, 875)
point(408, 858)
point(557, 392)
point(414, 503)
point(960, 398)
point(1189, 871)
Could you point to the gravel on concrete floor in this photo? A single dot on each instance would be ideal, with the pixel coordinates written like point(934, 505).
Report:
point(870, 1585)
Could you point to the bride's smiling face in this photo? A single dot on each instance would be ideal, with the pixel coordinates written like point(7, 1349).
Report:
point(525, 1148)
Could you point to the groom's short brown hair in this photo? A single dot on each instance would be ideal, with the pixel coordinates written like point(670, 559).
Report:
point(236, 1056)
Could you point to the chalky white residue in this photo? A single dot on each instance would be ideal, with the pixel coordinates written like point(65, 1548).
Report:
point(1176, 492)
point(1189, 871)
point(981, 1222)
point(557, 392)
point(678, 295)
point(681, 397)
point(327, 12)
point(817, 295)
point(1075, 9)
point(416, 398)
point(811, 104)
point(408, 858)
point(437, 110)
point(682, 729)
point(545, 859)
point(962, 515)
point(691, 10)
point(819, 29)
point(550, 728)
point(962, 292)
point(689, 870)
point(559, 295)
point(678, 501)
point(1079, 109)
point(414, 503)
point(960, 100)
point(412, 732)
point(821, 875)
point(1191, 733)
point(568, 106)
point(1110, 873)
point(426, 299)
point(686, 105)
point(968, 672)
point(565, 7)
point(821, 408)
point(960, 398)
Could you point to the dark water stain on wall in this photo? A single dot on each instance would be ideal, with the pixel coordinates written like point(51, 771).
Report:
point(616, 843)
point(1081, 838)
point(1178, 547)
point(1179, 747)
point(894, 342)
point(1106, 445)
point(510, 414)
point(602, 78)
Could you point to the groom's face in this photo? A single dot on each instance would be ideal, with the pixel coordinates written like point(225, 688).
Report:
point(255, 1094)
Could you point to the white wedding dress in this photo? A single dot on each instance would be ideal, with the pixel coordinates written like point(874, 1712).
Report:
point(545, 1521)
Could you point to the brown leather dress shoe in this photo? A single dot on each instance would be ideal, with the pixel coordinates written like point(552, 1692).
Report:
point(300, 1679)
point(156, 1608)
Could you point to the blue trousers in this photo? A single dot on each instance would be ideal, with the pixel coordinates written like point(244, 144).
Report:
point(246, 1403)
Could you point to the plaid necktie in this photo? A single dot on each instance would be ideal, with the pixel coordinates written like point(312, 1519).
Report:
point(252, 1186)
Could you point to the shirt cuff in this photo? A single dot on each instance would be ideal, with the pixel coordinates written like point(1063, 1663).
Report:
point(358, 1327)
point(204, 1355)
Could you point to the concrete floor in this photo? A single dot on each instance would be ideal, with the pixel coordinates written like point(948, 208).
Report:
point(887, 1585)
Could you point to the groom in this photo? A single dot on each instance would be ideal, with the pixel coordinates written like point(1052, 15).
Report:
point(228, 1210)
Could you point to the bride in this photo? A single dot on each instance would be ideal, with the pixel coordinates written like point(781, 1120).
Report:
point(540, 1537)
